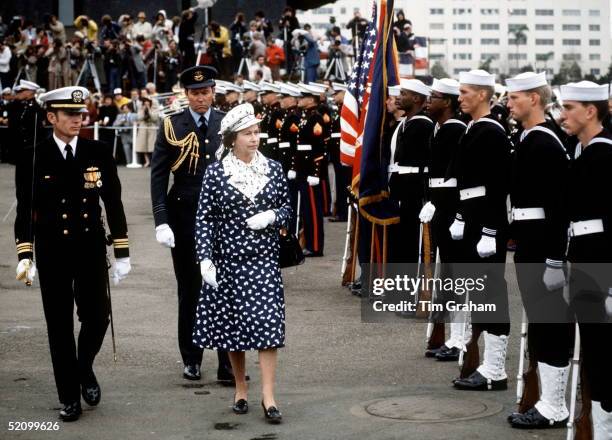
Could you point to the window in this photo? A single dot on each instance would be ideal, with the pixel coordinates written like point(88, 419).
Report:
point(462, 11)
point(545, 12)
point(489, 41)
point(489, 56)
point(462, 26)
point(594, 57)
point(544, 56)
point(489, 11)
point(436, 11)
point(437, 41)
point(544, 42)
point(571, 27)
point(462, 41)
point(323, 11)
point(544, 27)
point(571, 42)
point(517, 56)
point(518, 11)
point(595, 72)
point(513, 27)
point(436, 26)
point(489, 27)
point(342, 11)
point(594, 42)
point(571, 12)
point(462, 56)
point(571, 57)
point(436, 56)
point(517, 41)
point(594, 13)
point(594, 27)
point(457, 71)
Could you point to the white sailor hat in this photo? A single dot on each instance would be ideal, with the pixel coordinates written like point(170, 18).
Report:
point(248, 85)
point(7, 90)
point(526, 81)
point(69, 99)
point(394, 90)
point(415, 85)
point(446, 86)
point(477, 78)
point(240, 117)
point(308, 89)
point(289, 89)
point(584, 91)
point(339, 87)
point(268, 87)
point(322, 87)
point(26, 85)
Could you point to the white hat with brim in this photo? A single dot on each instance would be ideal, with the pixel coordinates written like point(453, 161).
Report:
point(248, 85)
point(477, 78)
point(287, 89)
point(309, 90)
point(240, 117)
point(526, 81)
point(415, 85)
point(230, 88)
point(446, 86)
point(584, 91)
point(339, 87)
point(69, 99)
point(322, 87)
point(268, 87)
point(7, 90)
point(28, 85)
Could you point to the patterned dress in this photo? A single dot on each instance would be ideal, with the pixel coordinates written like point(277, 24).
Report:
point(247, 310)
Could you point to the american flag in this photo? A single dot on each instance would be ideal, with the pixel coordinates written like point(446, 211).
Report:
point(352, 116)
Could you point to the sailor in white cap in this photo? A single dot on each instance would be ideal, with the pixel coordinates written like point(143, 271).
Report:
point(481, 168)
point(443, 196)
point(60, 183)
point(242, 206)
point(590, 213)
point(250, 95)
point(271, 117)
point(498, 108)
point(539, 174)
point(25, 118)
point(232, 96)
point(410, 165)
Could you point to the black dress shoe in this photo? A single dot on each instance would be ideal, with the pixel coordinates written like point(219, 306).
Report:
point(309, 253)
point(272, 414)
point(70, 412)
point(532, 419)
point(477, 382)
point(450, 354)
point(192, 372)
point(432, 352)
point(91, 392)
point(511, 417)
point(240, 407)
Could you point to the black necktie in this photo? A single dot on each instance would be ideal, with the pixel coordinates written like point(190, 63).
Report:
point(69, 155)
point(203, 126)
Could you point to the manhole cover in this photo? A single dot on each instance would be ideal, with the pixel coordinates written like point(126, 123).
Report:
point(428, 408)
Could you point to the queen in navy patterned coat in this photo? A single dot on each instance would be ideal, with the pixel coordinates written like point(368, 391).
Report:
point(243, 204)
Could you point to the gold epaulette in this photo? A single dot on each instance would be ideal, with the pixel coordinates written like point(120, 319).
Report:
point(189, 145)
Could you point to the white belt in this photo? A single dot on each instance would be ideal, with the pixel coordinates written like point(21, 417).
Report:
point(336, 135)
point(272, 141)
point(263, 135)
point(586, 227)
point(470, 193)
point(304, 147)
point(519, 214)
point(441, 183)
point(284, 145)
point(395, 168)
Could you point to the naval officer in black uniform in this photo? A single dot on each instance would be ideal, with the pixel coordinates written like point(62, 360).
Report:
point(59, 185)
point(186, 145)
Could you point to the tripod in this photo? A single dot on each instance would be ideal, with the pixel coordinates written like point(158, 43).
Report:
point(298, 67)
point(338, 68)
point(89, 64)
point(245, 64)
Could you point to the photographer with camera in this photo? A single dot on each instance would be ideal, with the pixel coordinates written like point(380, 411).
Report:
point(358, 26)
point(306, 47)
point(263, 24)
point(58, 32)
point(87, 27)
point(219, 45)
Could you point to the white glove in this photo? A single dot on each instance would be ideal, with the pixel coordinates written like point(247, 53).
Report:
point(164, 235)
point(486, 246)
point(26, 271)
point(427, 212)
point(261, 220)
point(554, 278)
point(312, 180)
point(291, 175)
point(121, 269)
point(209, 273)
point(456, 229)
point(609, 303)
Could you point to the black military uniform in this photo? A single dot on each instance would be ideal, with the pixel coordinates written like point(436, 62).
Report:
point(186, 150)
point(342, 173)
point(287, 148)
point(269, 127)
point(25, 117)
point(58, 212)
point(326, 114)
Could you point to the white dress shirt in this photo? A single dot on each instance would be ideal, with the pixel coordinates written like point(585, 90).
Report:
point(62, 145)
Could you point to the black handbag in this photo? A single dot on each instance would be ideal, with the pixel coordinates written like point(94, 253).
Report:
point(290, 250)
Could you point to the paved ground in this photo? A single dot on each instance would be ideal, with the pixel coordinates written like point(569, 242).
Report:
point(331, 366)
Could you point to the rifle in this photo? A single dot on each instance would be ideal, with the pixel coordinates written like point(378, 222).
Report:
point(531, 389)
point(435, 329)
point(584, 425)
point(472, 355)
point(425, 294)
point(347, 260)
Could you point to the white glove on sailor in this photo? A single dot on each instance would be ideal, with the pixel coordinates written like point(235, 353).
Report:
point(609, 303)
point(456, 229)
point(312, 180)
point(26, 270)
point(427, 212)
point(121, 268)
point(261, 220)
point(209, 273)
point(164, 235)
point(486, 246)
point(554, 278)
point(291, 175)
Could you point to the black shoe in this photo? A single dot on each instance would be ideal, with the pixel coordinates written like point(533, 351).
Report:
point(272, 414)
point(432, 352)
point(512, 416)
point(309, 253)
point(71, 412)
point(450, 354)
point(91, 392)
point(192, 372)
point(532, 419)
point(477, 382)
point(240, 407)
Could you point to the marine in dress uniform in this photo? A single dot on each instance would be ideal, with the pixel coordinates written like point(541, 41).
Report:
point(443, 196)
point(540, 168)
point(60, 183)
point(185, 146)
point(481, 168)
point(326, 112)
point(231, 95)
point(250, 95)
point(590, 246)
point(342, 174)
point(270, 120)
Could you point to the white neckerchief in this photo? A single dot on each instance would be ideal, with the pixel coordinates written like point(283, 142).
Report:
point(62, 145)
point(248, 178)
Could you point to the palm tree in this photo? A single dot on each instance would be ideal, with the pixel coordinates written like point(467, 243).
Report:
point(520, 37)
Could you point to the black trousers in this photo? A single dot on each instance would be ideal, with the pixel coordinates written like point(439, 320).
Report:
point(311, 209)
point(342, 177)
point(73, 271)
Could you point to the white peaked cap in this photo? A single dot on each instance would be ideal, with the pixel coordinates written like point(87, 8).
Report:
point(526, 81)
point(414, 85)
point(240, 117)
point(322, 87)
point(28, 85)
point(339, 87)
point(269, 87)
point(248, 85)
point(446, 86)
point(290, 90)
point(477, 78)
point(584, 91)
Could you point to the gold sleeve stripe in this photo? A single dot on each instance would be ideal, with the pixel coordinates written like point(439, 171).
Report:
point(121, 246)
point(120, 240)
